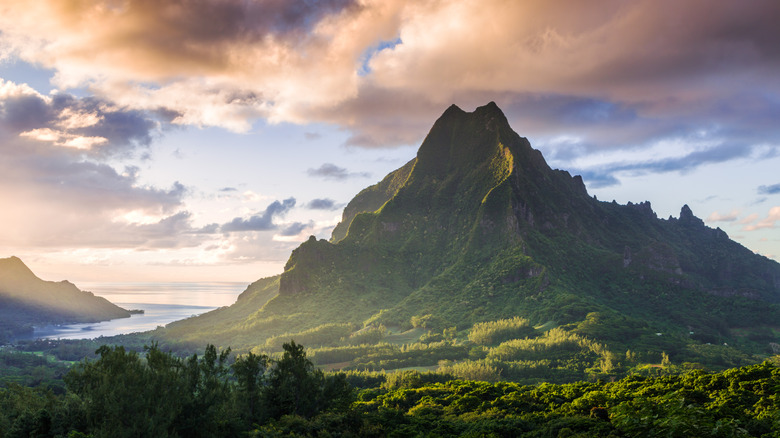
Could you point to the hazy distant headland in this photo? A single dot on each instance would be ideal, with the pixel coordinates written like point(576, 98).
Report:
point(27, 301)
point(150, 304)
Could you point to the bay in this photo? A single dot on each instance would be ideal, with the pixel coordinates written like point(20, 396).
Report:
point(162, 303)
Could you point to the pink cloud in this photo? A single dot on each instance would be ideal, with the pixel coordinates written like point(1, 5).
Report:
point(717, 217)
point(767, 222)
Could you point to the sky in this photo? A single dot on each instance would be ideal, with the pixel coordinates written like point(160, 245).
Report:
point(203, 140)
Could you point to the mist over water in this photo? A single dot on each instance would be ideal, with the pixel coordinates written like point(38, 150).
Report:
point(162, 303)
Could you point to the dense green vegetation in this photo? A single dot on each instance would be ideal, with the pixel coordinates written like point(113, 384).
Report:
point(157, 394)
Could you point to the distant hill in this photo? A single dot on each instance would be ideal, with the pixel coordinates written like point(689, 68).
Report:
point(479, 228)
point(26, 301)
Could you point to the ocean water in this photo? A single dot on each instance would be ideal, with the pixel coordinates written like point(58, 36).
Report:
point(162, 303)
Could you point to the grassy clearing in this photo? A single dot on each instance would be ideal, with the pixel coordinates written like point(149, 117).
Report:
point(406, 337)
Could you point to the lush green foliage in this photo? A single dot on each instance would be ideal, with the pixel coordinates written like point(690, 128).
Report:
point(495, 332)
point(157, 394)
point(326, 334)
point(738, 402)
point(123, 393)
point(32, 370)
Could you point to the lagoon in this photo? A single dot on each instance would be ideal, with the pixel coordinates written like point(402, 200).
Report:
point(162, 303)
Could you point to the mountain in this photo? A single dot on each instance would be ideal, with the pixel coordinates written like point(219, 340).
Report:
point(26, 300)
point(479, 228)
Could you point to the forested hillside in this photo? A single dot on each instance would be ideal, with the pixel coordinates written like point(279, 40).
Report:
point(124, 394)
point(479, 229)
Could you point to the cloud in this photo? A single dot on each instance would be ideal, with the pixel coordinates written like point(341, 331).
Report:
point(717, 217)
point(260, 222)
point(58, 204)
point(749, 219)
point(87, 124)
point(605, 174)
point(295, 228)
point(769, 190)
point(618, 77)
point(255, 246)
point(322, 204)
point(54, 170)
point(212, 63)
point(331, 171)
point(767, 222)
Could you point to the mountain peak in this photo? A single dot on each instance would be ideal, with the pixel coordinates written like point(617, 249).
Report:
point(479, 228)
point(14, 267)
point(489, 108)
point(460, 142)
point(688, 218)
point(453, 110)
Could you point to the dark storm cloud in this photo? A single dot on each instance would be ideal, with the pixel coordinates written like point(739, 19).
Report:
point(331, 171)
point(263, 221)
point(322, 204)
point(769, 190)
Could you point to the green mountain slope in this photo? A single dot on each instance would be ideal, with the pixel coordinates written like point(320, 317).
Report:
point(372, 198)
point(479, 228)
point(26, 300)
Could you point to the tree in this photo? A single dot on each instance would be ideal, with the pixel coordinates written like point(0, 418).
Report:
point(249, 371)
point(207, 392)
point(123, 396)
point(296, 387)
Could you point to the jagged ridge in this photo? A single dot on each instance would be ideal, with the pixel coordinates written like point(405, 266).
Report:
point(479, 227)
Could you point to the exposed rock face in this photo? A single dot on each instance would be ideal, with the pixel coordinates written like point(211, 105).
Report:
point(688, 219)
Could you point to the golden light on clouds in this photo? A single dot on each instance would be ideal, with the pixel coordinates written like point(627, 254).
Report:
point(64, 139)
point(228, 63)
point(616, 91)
